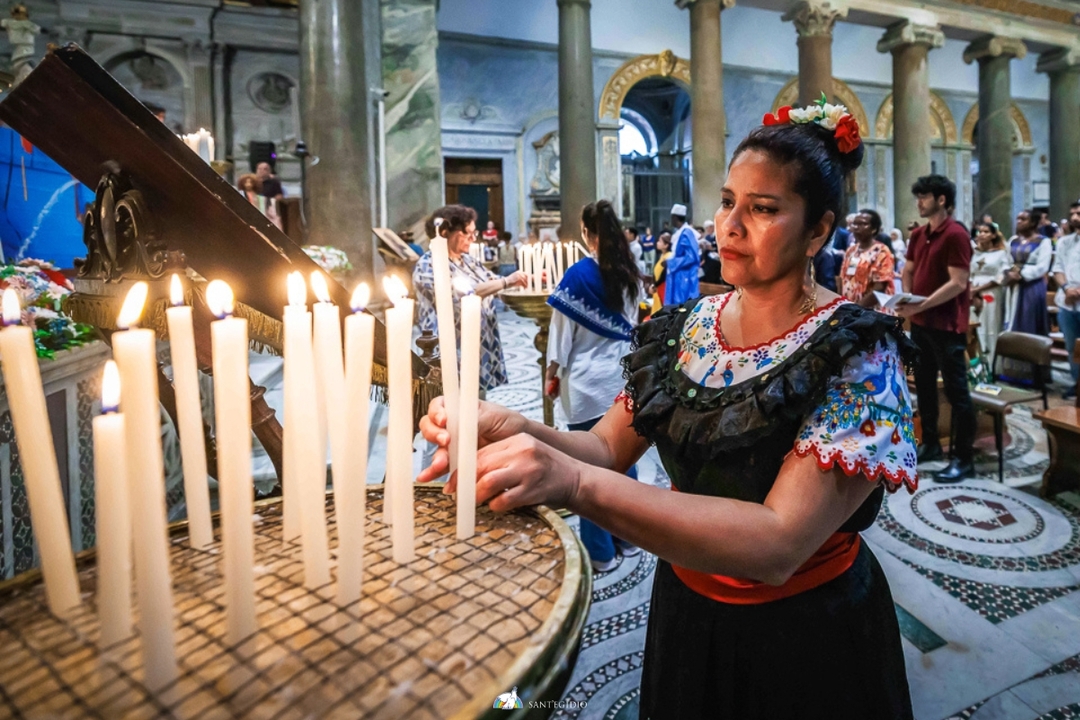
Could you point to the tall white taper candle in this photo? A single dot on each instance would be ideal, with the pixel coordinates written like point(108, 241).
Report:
point(399, 320)
point(470, 399)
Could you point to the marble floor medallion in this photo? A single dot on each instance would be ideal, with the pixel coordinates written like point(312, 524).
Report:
point(980, 515)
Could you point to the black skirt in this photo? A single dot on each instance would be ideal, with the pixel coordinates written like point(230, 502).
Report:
point(832, 652)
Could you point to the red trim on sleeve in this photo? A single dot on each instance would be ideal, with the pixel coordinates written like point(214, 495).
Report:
point(892, 480)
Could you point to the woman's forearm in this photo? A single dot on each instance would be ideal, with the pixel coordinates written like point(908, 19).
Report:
point(582, 445)
point(490, 287)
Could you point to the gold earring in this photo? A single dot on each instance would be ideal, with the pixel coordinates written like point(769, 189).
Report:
point(810, 303)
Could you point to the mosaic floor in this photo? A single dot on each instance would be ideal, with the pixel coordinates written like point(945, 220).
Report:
point(985, 575)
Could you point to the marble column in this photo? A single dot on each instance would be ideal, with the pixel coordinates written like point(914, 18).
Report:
point(814, 22)
point(202, 97)
point(1063, 66)
point(708, 124)
point(995, 134)
point(577, 115)
point(339, 64)
point(910, 46)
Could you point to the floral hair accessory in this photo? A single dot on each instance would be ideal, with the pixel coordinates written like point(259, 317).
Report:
point(831, 117)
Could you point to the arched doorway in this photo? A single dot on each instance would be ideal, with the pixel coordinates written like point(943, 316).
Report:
point(644, 124)
point(155, 80)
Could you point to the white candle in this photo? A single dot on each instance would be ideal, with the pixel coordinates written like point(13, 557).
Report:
point(559, 249)
point(189, 418)
point(135, 352)
point(350, 489)
point(399, 321)
point(444, 308)
point(112, 508)
point(33, 436)
point(470, 399)
point(305, 462)
point(329, 367)
point(232, 422)
point(536, 268)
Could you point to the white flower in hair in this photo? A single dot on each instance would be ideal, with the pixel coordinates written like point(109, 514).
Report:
point(832, 115)
point(800, 116)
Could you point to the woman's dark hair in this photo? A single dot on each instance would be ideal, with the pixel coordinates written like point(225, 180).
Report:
point(617, 267)
point(455, 219)
point(938, 186)
point(875, 219)
point(820, 167)
point(995, 231)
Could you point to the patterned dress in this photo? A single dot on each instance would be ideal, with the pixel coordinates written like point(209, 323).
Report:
point(723, 420)
point(492, 364)
point(863, 267)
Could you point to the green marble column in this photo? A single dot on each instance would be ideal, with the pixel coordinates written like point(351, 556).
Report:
point(995, 133)
point(1063, 66)
point(708, 124)
point(814, 20)
point(577, 115)
point(339, 64)
point(910, 46)
point(414, 165)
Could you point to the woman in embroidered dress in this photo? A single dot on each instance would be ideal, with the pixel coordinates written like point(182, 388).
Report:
point(781, 413)
point(459, 228)
point(989, 261)
point(595, 310)
point(1025, 281)
point(868, 264)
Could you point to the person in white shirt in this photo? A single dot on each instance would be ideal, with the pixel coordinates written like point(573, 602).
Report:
point(636, 249)
point(1067, 276)
point(595, 308)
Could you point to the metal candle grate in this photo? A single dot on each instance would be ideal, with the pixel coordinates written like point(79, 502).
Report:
point(428, 640)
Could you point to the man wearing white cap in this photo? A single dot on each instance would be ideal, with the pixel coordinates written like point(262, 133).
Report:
point(682, 267)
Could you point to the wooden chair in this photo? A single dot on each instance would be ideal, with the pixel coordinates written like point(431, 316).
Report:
point(1026, 350)
point(1062, 426)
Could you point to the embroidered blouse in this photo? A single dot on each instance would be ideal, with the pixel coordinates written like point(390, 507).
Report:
point(492, 364)
point(863, 267)
point(725, 418)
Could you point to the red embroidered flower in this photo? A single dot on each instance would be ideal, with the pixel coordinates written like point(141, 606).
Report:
point(782, 117)
point(988, 298)
point(868, 428)
point(847, 134)
point(896, 436)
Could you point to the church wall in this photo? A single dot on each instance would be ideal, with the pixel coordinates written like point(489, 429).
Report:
point(261, 112)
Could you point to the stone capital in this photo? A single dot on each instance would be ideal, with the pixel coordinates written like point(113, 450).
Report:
point(992, 46)
point(814, 18)
point(1066, 59)
point(724, 4)
point(586, 3)
point(905, 32)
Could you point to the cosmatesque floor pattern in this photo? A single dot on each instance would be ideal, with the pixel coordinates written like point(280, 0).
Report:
point(985, 576)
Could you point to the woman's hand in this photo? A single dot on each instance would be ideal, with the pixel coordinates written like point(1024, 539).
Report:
point(517, 278)
point(521, 471)
point(494, 423)
point(976, 303)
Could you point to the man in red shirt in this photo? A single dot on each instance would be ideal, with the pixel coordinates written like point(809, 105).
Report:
point(938, 265)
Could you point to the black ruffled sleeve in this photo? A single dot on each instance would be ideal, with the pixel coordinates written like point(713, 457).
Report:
point(666, 404)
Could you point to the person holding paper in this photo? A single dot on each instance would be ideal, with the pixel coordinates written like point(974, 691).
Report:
point(938, 266)
point(1025, 282)
point(1067, 299)
point(459, 228)
point(868, 264)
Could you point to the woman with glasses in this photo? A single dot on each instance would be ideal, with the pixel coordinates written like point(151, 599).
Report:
point(459, 228)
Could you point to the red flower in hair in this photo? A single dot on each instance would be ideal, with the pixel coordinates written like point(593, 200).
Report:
point(782, 117)
point(847, 134)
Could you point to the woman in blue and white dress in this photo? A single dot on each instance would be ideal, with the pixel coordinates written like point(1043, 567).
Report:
point(595, 311)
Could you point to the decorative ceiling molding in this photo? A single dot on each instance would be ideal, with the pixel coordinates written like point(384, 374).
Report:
point(1021, 129)
point(664, 64)
point(789, 95)
point(941, 120)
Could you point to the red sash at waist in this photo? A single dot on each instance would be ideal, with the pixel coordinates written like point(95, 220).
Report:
point(829, 562)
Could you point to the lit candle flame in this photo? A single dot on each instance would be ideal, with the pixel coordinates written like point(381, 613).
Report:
point(318, 284)
point(176, 291)
point(219, 296)
point(395, 289)
point(297, 289)
point(110, 387)
point(360, 298)
point(12, 307)
point(463, 286)
point(132, 308)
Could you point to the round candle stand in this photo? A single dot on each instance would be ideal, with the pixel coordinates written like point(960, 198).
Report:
point(440, 637)
point(534, 306)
